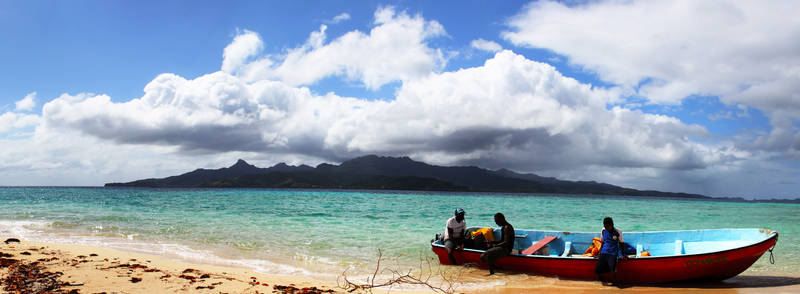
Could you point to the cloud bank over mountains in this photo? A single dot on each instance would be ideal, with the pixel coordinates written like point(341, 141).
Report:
point(510, 112)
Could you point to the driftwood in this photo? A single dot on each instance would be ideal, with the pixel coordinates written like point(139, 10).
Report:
point(423, 276)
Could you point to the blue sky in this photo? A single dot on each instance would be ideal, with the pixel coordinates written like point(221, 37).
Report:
point(646, 95)
point(116, 47)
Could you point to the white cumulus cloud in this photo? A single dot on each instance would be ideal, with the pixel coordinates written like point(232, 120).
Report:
point(217, 112)
point(11, 120)
point(744, 52)
point(515, 112)
point(395, 49)
point(27, 103)
point(485, 45)
point(246, 45)
point(340, 18)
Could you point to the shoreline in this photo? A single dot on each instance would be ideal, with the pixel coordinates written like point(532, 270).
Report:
point(90, 269)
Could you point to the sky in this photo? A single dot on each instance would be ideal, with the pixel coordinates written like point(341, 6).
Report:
point(681, 96)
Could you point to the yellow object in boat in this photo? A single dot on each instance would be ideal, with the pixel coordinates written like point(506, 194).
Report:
point(488, 234)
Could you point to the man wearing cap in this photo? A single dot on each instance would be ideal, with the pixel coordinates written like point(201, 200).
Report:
point(454, 234)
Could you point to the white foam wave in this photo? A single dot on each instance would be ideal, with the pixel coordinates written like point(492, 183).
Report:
point(22, 229)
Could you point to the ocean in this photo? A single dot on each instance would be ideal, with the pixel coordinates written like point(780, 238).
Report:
point(321, 233)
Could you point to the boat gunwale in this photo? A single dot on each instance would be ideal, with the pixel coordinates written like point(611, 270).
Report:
point(772, 235)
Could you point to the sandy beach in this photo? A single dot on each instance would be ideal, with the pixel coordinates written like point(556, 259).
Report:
point(86, 269)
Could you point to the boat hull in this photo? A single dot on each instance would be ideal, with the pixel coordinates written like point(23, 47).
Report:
point(658, 269)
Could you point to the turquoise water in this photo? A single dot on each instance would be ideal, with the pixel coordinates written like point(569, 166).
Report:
point(324, 232)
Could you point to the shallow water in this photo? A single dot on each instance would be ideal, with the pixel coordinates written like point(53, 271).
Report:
point(322, 233)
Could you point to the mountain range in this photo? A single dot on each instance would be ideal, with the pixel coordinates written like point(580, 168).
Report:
point(387, 173)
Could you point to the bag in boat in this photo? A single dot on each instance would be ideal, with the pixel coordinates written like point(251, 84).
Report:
point(477, 242)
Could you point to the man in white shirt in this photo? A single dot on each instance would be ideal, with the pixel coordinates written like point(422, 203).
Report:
point(454, 234)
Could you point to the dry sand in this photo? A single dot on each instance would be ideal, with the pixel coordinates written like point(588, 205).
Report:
point(87, 269)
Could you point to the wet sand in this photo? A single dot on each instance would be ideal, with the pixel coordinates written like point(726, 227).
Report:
point(86, 269)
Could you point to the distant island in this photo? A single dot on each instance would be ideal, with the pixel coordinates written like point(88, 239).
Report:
point(373, 172)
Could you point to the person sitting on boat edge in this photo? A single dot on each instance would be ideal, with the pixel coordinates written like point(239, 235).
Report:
point(498, 249)
point(454, 234)
point(612, 241)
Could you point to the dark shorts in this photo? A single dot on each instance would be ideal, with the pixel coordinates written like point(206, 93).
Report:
point(606, 263)
point(452, 243)
point(495, 253)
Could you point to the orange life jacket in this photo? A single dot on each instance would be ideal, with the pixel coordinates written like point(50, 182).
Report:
point(594, 249)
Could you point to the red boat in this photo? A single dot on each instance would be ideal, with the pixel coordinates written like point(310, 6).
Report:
point(715, 254)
